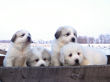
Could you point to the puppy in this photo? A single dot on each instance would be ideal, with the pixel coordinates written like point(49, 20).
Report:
point(75, 54)
point(19, 49)
point(63, 35)
point(39, 57)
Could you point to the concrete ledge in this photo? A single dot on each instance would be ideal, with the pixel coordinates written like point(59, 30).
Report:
point(56, 74)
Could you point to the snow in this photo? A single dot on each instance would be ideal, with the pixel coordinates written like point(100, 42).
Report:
point(104, 47)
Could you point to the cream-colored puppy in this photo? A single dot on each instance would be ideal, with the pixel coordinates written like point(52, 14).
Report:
point(75, 54)
point(39, 57)
point(19, 50)
point(63, 35)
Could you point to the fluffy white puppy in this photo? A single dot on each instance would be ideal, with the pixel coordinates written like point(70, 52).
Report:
point(63, 35)
point(39, 57)
point(19, 49)
point(75, 54)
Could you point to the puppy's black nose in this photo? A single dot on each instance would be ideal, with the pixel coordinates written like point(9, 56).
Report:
point(77, 61)
point(29, 38)
point(73, 39)
point(42, 65)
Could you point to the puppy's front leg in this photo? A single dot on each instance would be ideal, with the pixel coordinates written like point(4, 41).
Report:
point(55, 60)
point(56, 63)
point(25, 65)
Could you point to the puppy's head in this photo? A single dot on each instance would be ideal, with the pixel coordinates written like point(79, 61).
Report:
point(21, 36)
point(71, 54)
point(66, 34)
point(40, 57)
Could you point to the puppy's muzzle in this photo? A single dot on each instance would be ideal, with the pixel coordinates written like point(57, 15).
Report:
point(76, 62)
point(73, 39)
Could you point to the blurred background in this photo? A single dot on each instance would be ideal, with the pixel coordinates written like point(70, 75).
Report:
point(91, 19)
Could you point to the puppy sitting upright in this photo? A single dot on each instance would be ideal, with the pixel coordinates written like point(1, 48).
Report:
point(19, 49)
point(63, 35)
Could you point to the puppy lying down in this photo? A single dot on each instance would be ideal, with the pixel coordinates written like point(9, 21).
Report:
point(39, 57)
point(75, 54)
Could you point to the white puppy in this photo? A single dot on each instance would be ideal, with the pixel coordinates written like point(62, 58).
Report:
point(63, 35)
point(39, 57)
point(19, 49)
point(75, 54)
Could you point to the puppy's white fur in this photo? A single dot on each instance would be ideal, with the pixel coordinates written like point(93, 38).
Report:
point(39, 57)
point(19, 49)
point(63, 35)
point(73, 54)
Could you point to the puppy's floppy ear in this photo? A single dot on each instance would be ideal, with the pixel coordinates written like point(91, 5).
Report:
point(46, 52)
point(13, 38)
point(57, 34)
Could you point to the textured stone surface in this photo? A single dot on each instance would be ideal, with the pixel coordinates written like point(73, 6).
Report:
point(56, 74)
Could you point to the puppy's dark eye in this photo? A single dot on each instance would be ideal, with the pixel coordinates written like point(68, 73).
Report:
point(45, 59)
point(78, 53)
point(22, 35)
point(37, 60)
point(70, 55)
point(68, 34)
